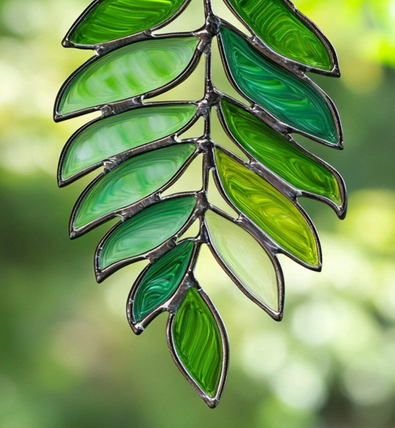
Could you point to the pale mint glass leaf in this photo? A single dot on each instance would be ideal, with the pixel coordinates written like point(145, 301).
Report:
point(245, 259)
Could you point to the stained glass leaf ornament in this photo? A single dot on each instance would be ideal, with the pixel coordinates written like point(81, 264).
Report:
point(141, 149)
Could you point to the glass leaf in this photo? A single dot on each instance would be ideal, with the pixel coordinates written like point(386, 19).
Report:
point(199, 346)
point(289, 98)
point(103, 138)
point(158, 283)
point(256, 272)
point(285, 30)
point(269, 209)
point(114, 19)
point(143, 232)
point(131, 181)
point(283, 156)
point(127, 72)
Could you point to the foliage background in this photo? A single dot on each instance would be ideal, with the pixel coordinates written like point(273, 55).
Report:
point(67, 356)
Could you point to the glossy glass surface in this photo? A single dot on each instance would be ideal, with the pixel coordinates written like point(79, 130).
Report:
point(146, 230)
point(245, 258)
point(114, 19)
point(283, 31)
point(289, 98)
point(131, 181)
point(278, 154)
point(198, 343)
point(267, 208)
point(128, 72)
point(115, 134)
point(161, 280)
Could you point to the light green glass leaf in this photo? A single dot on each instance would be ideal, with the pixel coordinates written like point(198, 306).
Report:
point(115, 134)
point(126, 72)
point(113, 19)
point(131, 181)
point(275, 151)
point(198, 343)
point(161, 280)
point(246, 260)
point(289, 98)
point(283, 31)
point(268, 209)
point(146, 230)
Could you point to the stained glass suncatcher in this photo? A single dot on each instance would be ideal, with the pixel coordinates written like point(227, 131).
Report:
point(140, 148)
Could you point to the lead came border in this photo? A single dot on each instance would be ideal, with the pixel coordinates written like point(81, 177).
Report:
point(204, 146)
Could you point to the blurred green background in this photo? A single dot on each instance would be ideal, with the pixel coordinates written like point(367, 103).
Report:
point(68, 358)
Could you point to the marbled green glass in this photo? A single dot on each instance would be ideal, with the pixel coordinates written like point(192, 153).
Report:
point(144, 147)
point(245, 259)
point(282, 30)
point(289, 98)
point(267, 208)
point(198, 343)
point(115, 134)
point(278, 154)
point(146, 230)
point(161, 280)
point(127, 72)
point(131, 181)
point(114, 19)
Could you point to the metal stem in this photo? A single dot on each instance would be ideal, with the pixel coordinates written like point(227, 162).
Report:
point(206, 142)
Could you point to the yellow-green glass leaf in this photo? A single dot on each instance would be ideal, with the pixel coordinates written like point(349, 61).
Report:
point(267, 208)
point(283, 31)
point(277, 153)
point(115, 134)
point(288, 97)
point(114, 19)
point(146, 230)
point(161, 280)
point(131, 181)
point(198, 343)
point(127, 72)
point(245, 258)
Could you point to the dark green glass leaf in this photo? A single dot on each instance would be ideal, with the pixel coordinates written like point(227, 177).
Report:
point(131, 181)
point(283, 31)
point(146, 230)
point(198, 343)
point(161, 280)
point(127, 72)
point(115, 134)
point(246, 260)
point(280, 155)
point(113, 19)
point(289, 98)
point(268, 209)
